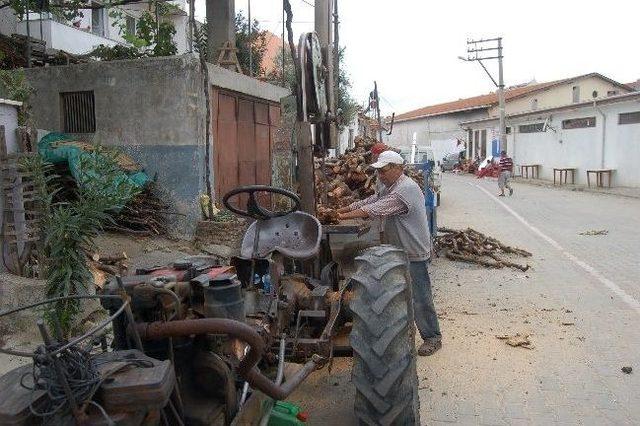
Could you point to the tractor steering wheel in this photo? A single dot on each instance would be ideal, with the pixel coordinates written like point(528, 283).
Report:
point(254, 210)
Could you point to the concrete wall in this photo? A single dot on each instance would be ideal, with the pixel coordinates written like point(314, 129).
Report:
point(153, 109)
point(229, 80)
point(580, 148)
point(64, 37)
point(8, 21)
point(560, 95)
point(439, 127)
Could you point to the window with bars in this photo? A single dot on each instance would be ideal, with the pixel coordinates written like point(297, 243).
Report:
point(531, 128)
point(629, 117)
point(78, 112)
point(579, 123)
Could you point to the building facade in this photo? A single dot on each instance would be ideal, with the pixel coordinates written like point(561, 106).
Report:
point(602, 133)
point(155, 110)
point(94, 27)
point(445, 121)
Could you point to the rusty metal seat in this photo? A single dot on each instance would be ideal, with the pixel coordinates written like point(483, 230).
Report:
point(296, 235)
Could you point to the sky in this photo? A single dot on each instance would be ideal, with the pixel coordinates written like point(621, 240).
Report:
point(411, 47)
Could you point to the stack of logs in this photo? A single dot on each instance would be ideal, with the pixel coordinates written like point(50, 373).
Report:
point(348, 178)
point(472, 246)
point(144, 215)
point(112, 265)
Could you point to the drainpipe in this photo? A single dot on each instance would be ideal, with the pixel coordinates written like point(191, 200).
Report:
point(513, 154)
point(604, 133)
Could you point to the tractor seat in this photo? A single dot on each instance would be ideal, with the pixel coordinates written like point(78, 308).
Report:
point(296, 235)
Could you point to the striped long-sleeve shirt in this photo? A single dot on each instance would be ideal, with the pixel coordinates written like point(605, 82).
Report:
point(384, 203)
point(505, 164)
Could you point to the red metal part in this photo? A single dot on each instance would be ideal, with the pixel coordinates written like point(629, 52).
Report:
point(247, 368)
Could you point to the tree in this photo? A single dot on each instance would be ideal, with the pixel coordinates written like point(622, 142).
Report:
point(257, 42)
point(344, 101)
point(152, 37)
point(275, 75)
point(62, 9)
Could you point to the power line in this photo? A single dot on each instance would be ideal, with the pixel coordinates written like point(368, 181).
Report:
point(307, 3)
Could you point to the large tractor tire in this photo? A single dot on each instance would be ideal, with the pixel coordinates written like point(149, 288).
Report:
point(383, 340)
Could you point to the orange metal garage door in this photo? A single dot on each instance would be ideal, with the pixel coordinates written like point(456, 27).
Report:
point(243, 134)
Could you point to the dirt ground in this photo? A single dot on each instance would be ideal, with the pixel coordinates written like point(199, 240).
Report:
point(17, 291)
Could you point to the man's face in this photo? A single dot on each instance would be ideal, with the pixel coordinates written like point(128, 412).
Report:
point(388, 174)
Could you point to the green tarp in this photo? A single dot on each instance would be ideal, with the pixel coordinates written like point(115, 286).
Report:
point(72, 155)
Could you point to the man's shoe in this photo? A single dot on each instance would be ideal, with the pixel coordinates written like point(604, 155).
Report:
point(510, 192)
point(429, 348)
point(500, 195)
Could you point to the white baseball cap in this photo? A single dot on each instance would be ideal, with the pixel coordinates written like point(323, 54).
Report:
point(388, 157)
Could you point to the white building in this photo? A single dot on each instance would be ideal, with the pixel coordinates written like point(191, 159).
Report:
point(603, 133)
point(443, 121)
point(93, 28)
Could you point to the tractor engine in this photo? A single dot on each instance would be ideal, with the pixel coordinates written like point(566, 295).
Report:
point(206, 364)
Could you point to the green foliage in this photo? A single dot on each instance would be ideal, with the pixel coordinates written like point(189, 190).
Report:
point(275, 75)
point(344, 101)
point(70, 228)
point(256, 43)
point(164, 45)
point(65, 9)
point(114, 53)
point(151, 39)
point(200, 39)
point(13, 85)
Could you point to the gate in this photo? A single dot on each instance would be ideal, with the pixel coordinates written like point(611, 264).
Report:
point(243, 130)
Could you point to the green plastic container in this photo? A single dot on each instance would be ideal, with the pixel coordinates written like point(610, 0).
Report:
point(287, 414)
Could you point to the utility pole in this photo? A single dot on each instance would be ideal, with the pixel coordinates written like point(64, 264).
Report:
point(249, 40)
point(476, 52)
point(336, 69)
point(336, 50)
point(284, 80)
point(220, 26)
point(377, 101)
point(323, 13)
point(192, 22)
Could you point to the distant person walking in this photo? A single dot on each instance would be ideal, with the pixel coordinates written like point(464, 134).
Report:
point(506, 168)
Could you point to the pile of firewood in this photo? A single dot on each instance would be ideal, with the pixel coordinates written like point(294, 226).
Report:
point(348, 178)
point(326, 215)
point(472, 246)
point(104, 266)
point(145, 215)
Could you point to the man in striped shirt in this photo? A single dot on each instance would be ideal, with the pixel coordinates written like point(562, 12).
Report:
point(401, 204)
point(506, 168)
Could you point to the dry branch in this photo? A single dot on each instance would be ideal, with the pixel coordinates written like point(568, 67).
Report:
point(472, 246)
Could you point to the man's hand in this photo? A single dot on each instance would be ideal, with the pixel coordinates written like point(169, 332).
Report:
point(358, 213)
point(343, 209)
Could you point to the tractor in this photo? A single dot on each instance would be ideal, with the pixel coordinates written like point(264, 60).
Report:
point(198, 343)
